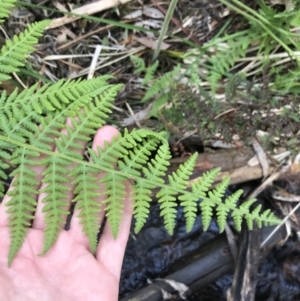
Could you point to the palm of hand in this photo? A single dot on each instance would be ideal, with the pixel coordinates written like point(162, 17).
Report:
point(68, 271)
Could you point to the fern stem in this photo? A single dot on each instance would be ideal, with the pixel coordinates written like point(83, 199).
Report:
point(164, 28)
point(93, 165)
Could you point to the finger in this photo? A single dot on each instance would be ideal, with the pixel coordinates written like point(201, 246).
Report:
point(39, 219)
point(110, 251)
point(105, 133)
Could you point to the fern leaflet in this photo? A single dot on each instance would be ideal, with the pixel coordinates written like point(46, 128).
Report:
point(161, 84)
point(226, 56)
point(138, 63)
point(14, 52)
point(22, 202)
point(6, 5)
point(150, 73)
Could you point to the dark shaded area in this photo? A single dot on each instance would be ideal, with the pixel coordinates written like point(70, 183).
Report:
point(278, 277)
point(153, 254)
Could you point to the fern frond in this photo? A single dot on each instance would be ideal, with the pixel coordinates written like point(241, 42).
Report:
point(33, 125)
point(14, 53)
point(114, 184)
point(50, 98)
point(265, 218)
point(138, 64)
point(204, 183)
point(161, 84)
point(134, 149)
point(150, 73)
point(243, 212)
point(19, 122)
point(226, 56)
point(6, 5)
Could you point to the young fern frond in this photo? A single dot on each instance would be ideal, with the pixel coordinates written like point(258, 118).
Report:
point(49, 128)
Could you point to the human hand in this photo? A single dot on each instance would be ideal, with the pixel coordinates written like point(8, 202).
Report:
point(68, 271)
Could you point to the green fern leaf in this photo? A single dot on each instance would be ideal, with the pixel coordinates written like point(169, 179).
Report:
point(5, 7)
point(168, 208)
point(86, 192)
point(138, 64)
point(199, 189)
point(155, 170)
point(14, 53)
point(109, 154)
point(223, 208)
point(253, 216)
point(5, 157)
point(266, 218)
point(240, 212)
point(133, 162)
point(180, 179)
point(204, 183)
point(214, 198)
point(55, 208)
point(167, 198)
point(141, 196)
point(86, 124)
point(115, 192)
point(225, 57)
point(150, 73)
point(161, 84)
point(23, 203)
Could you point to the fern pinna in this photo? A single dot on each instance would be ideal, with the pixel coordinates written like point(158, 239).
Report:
point(50, 127)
